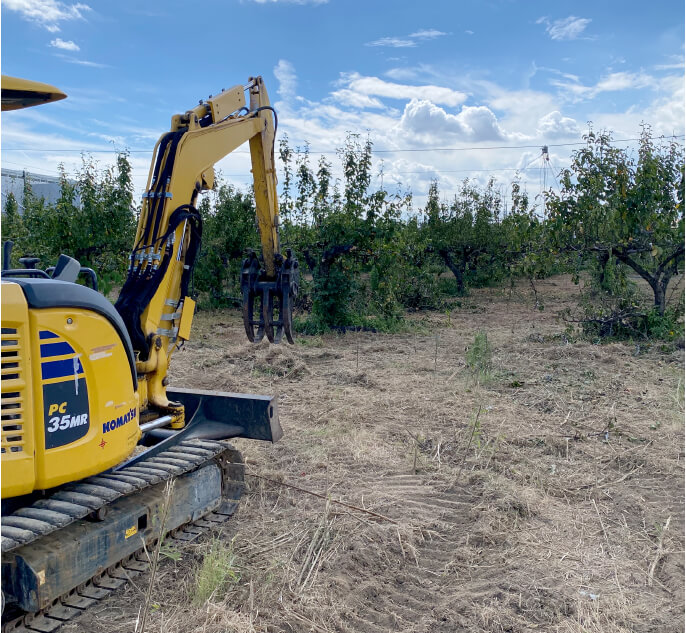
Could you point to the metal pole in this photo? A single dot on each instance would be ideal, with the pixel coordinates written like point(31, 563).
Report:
point(156, 424)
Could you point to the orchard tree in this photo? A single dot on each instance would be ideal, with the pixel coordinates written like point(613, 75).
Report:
point(390, 252)
point(26, 229)
point(522, 233)
point(614, 207)
point(96, 218)
point(466, 234)
point(326, 228)
point(228, 218)
point(352, 238)
point(13, 228)
point(93, 220)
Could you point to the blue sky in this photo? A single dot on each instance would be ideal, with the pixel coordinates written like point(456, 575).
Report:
point(416, 76)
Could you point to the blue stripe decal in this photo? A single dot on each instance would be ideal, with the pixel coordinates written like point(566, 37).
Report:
point(55, 349)
point(47, 334)
point(60, 368)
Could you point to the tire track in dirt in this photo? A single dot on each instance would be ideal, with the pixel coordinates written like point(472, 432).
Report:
point(414, 592)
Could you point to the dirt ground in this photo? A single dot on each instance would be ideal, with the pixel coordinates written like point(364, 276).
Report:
point(546, 495)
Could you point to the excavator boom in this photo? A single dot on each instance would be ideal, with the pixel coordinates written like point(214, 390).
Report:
point(154, 301)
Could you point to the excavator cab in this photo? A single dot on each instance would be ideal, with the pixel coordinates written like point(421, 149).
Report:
point(70, 389)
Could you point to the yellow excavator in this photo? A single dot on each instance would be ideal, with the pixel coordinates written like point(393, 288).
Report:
point(91, 430)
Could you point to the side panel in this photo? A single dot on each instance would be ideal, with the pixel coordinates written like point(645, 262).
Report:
point(18, 469)
point(86, 411)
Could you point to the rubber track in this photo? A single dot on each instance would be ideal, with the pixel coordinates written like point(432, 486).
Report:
point(73, 604)
point(77, 500)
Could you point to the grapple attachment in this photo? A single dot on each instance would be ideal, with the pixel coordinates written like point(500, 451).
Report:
point(270, 300)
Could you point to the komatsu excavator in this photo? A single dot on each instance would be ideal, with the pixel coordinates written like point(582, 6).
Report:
point(91, 430)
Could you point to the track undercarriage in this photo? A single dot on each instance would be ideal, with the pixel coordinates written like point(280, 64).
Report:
point(64, 550)
point(56, 575)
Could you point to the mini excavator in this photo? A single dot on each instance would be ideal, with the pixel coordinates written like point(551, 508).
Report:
point(92, 433)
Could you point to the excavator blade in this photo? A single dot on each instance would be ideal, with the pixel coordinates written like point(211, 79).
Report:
point(219, 415)
point(214, 415)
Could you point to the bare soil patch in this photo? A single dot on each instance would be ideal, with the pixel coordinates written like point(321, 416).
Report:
point(546, 496)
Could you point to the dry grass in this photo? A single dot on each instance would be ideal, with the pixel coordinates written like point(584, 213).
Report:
point(547, 511)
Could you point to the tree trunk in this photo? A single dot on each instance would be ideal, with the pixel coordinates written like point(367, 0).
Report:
point(658, 280)
point(603, 259)
point(659, 290)
point(671, 269)
point(311, 262)
point(456, 268)
point(653, 280)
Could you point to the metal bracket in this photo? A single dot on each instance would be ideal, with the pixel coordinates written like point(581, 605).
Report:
point(168, 333)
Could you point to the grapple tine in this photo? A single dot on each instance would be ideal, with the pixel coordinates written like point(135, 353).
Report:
point(268, 313)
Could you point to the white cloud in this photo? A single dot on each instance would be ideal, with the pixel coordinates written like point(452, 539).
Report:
point(409, 41)
point(673, 62)
point(403, 74)
point(427, 34)
point(665, 113)
point(613, 82)
point(675, 66)
point(535, 69)
point(429, 123)
point(374, 86)
point(553, 125)
point(517, 109)
point(84, 62)
point(65, 46)
point(47, 13)
point(356, 100)
point(569, 28)
point(393, 42)
point(288, 80)
point(81, 62)
point(623, 81)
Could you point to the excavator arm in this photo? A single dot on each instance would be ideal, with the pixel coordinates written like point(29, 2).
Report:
point(154, 300)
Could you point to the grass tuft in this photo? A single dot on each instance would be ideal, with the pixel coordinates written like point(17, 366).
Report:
point(478, 357)
point(218, 570)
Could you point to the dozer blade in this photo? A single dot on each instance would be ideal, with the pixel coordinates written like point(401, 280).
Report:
point(215, 415)
point(218, 415)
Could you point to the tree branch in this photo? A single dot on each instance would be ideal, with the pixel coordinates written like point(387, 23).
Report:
point(311, 263)
point(677, 253)
point(624, 258)
point(330, 254)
